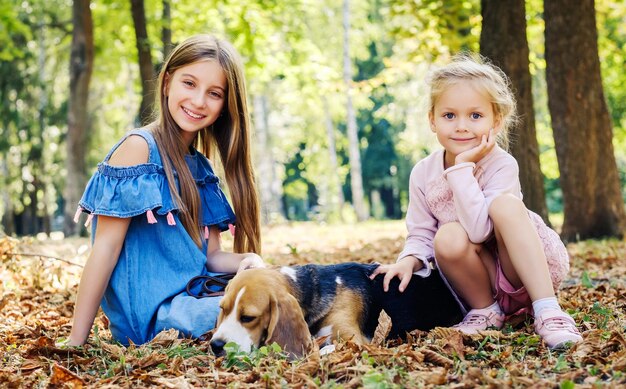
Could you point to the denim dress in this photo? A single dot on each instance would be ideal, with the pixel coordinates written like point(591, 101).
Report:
point(147, 290)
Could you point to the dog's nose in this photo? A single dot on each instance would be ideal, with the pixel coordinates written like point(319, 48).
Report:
point(217, 346)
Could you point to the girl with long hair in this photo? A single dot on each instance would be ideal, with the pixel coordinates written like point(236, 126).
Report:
point(157, 207)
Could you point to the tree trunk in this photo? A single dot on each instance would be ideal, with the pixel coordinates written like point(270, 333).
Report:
point(592, 200)
point(41, 165)
point(31, 225)
point(166, 31)
point(356, 178)
point(503, 41)
point(270, 187)
point(8, 217)
point(81, 65)
point(335, 190)
point(146, 70)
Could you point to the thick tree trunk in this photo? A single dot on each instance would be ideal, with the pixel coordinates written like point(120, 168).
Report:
point(503, 40)
point(356, 178)
point(81, 65)
point(592, 200)
point(146, 70)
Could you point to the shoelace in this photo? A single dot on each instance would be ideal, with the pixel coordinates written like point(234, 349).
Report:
point(558, 323)
point(473, 319)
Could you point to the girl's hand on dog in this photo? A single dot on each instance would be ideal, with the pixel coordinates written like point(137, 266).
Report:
point(403, 269)
point(251, 260)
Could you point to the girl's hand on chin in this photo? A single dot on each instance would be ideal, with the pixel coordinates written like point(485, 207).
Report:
point(475, 154)
point(250, 261)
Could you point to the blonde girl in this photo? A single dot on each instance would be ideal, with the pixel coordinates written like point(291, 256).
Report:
point(466, 214)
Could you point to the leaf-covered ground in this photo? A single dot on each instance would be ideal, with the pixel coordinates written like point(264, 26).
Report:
point(39, 286)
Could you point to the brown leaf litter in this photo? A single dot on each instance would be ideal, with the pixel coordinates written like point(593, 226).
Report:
point(37, 297)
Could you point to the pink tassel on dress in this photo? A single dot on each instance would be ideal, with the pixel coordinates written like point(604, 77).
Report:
point(151, 218)
point(206, 232)
point(231, 228)
point(170, 219)
point(77, 214)
point(88, 221)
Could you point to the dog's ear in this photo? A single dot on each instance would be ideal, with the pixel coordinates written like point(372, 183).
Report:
point(220, 317)
point(287, 326)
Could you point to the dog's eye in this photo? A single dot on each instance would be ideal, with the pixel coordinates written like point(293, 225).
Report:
point(246, 318)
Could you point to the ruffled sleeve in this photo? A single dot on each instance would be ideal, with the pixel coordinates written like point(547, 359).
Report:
point(127, 191)
point(216, 211)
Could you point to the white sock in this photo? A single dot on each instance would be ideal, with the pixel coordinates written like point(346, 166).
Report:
point(548, 302)
point(493, 307)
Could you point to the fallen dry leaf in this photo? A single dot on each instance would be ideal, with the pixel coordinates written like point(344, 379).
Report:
point(178, 382)
point(382, 329)
point(435, 358)
point(453, 344)
point(62, 376)
point(32, 364)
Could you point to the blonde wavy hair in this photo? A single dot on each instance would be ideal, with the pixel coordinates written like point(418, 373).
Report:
point(477, 69)
point(230, 134)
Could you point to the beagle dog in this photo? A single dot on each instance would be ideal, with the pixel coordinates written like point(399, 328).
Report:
point(289, 304)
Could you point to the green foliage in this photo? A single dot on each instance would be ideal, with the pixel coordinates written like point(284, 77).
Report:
point(428, 29)
point(611, 41)
point(299, 193)
point(11, 26)
point(603, 314)
point(244, 361)
point(379, 375)
point(379, 157)
point(32, 113)
point(561, 364)
point(183, 352)
point(586, 280)
point(293, 57)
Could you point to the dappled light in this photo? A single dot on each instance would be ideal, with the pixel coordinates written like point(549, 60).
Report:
point(310, 132)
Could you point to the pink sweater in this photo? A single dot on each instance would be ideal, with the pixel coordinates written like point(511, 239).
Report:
point(463, 193)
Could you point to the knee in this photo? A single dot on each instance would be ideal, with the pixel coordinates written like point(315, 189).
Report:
point(506, 206)
point(451, 243)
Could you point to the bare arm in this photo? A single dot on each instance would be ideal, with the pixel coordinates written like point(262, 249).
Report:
point(110, 234)
point(108, 241)
point(225, 262)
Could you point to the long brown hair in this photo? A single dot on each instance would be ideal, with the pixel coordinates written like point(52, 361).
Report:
point(230, 133)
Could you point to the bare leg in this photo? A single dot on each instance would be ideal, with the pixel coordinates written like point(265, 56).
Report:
point(465, 265)
point(520, 250)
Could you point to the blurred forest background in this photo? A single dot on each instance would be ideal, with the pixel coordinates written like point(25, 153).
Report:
point(337, 94)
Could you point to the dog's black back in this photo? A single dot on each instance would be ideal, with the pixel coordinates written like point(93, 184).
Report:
point(426, 303)
point(316, 289)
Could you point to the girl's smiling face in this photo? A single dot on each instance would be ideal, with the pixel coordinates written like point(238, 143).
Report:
point(460, 117)
point(195, 96)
